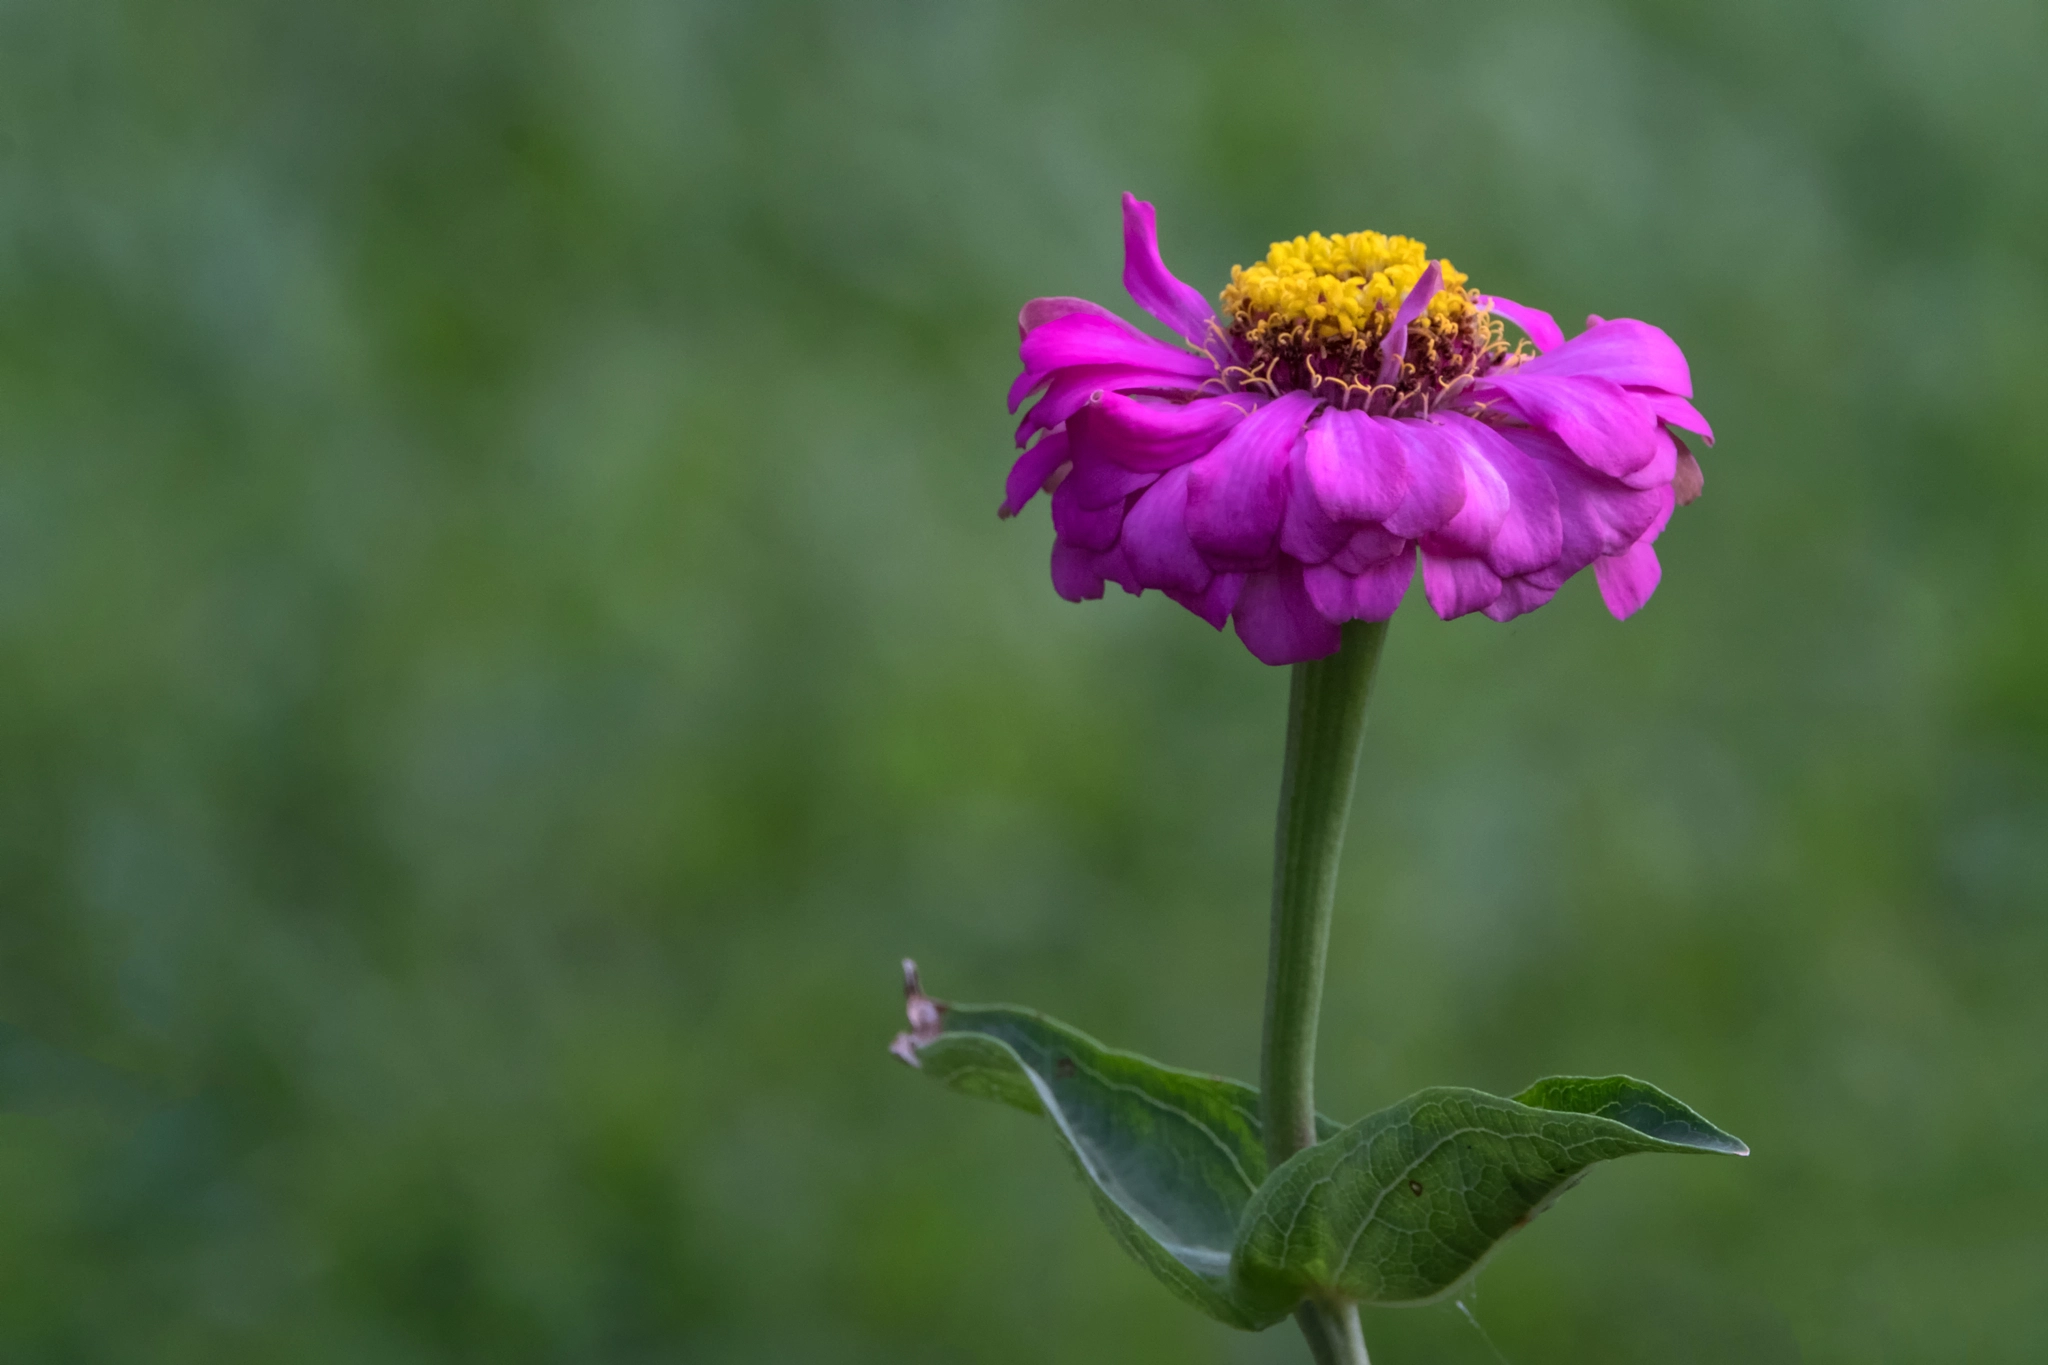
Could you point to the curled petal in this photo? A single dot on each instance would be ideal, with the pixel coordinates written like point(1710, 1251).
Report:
point(1621, 351)
point(1155, 540)
point(1214, 603)
point(1277, 621)
point(1073, 574)
point(1676, 411)
point(1153, 435)
point(1662, 466)
point(1152, 285)
point(1540, 326)
point(1031, 471)
point(1611, 429)
point(1531, 534)
point(1237, 493)
point(1394, 348)
point(1370, 594)
point(1038, 312)
point(1100, 339)
point(1072, 388)
point(1357, 466)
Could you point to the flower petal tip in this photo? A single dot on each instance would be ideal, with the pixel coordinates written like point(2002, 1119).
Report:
point(1395, 347)
point(1628, 579)
point(1155, 288)
point(1541, 328)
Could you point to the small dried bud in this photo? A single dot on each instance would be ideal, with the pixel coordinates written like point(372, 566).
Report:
point(1689, 482)
point(926, 1017)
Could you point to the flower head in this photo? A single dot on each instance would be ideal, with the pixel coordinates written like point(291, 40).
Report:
point(1355, 407)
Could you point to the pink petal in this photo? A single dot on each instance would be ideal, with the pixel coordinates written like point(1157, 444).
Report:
point(1090, 528)
point(1357, 466)
point(1670, 408)
point(1372, 594)
point(1102, 483)
point(1597, 515)
point(1540, 326)
point(1531, 534)
point(1518, 595)
point(1329, 592)
point(1153, 434)
point(1435, 490)
point(1071, 388)
point(1456, 585)
point(1628, 579)
point(1307, 532)
point(1237, 493)
point(1611, 429)
point(1115, 567)
point(1103, 339)
point(1667, 502)
point(1038, 312)
point(1662, 466)
point(1485, 508)
point(1072, 576)
point(1152, 285)
point(1031, 471)
point(1622, 351)
point(1215, 603)
point(1155, 539)
point(1395, 347)
point(1278, 623)
point(1368, 545)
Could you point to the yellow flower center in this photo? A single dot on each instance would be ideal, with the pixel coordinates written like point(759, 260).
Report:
point(1350, 286)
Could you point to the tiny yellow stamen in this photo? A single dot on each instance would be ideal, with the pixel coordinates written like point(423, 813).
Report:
point(1342, 287)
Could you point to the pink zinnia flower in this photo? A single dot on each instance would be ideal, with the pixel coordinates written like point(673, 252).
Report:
point(1356, 406)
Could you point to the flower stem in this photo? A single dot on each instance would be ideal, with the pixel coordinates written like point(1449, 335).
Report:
point(1325, 726)
point(1333, 1334)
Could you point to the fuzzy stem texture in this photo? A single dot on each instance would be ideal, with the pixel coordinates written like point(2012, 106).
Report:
point(1325, 727)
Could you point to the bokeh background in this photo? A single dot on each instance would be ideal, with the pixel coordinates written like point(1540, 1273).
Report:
point(505, 640)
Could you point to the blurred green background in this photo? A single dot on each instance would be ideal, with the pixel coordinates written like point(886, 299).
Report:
point(505, 640)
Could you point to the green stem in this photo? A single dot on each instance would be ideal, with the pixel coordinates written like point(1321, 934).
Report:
point(1332, 1332)
point(1325, 726)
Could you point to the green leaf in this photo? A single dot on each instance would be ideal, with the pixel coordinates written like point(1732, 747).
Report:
point(1403, 1206)
point(1171, 1157)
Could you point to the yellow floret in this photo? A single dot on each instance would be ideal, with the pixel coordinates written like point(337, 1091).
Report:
point(1342, 286)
